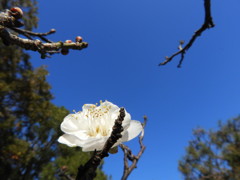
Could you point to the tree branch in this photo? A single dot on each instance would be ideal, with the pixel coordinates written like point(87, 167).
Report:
point(208, 23)
point(129, 156)
point(10, 20)
point(88, 171)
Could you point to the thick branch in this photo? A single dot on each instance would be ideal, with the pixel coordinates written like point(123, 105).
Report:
point(129, 156)
point(208, 23)
point(88, 171)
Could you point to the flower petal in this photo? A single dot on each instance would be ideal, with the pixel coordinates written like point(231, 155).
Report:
point(69, 140)
point(93, 144)
point(74, 122)
point(127, 120)
point(133, 130)
point(112, 106)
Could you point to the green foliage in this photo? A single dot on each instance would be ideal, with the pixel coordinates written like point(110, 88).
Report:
point(213, 155)
point(29, 121)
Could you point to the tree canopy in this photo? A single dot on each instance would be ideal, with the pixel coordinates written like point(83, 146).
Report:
point(213, 154)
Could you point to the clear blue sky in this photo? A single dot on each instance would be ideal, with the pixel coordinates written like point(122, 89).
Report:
point(127, 39)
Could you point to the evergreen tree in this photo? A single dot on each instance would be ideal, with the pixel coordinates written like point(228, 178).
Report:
point(213, 155)
point(29, 122)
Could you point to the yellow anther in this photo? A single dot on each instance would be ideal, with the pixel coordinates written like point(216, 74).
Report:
point(93, 106)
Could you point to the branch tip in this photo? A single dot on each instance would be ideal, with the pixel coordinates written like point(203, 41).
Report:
point(208, 23)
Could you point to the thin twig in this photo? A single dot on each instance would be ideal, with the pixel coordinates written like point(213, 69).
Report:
point(129, 156)
point(28, 34)
point(88, 171)
point(208, 23)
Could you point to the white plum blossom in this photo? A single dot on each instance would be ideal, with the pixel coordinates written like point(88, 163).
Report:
point(91, 127)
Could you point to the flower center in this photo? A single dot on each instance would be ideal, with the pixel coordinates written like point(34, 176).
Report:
point(99, 130)
point(99, 120)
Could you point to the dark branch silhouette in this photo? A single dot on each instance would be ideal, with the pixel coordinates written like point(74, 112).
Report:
point(208, 23)
point(129, 156)
point(88, 171)
point(10, 20)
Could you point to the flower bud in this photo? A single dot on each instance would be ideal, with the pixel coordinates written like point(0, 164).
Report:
point(53, 30)
point(64, 51)
point(79, 39)
point(16, 12)
point(68, 41)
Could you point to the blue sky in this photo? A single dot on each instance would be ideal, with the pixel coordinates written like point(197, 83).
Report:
point(127, 39)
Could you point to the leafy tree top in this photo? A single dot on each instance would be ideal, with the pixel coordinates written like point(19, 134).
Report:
point(213, 154)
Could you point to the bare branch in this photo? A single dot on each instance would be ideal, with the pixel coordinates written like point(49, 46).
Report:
point(129, 156)
point(208, 23)
point(10, 20)
point(88, 171)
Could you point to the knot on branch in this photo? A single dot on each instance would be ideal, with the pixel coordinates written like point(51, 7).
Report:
point(10, 19)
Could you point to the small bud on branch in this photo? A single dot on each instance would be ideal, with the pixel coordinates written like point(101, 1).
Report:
point(16, 12)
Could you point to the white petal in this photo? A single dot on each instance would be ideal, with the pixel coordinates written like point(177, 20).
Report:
point(69, 140)
point(107, 104)
point(94, 144)
point(134, 129)
point(127, 120)
point(73, 122)
point(82, 134)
